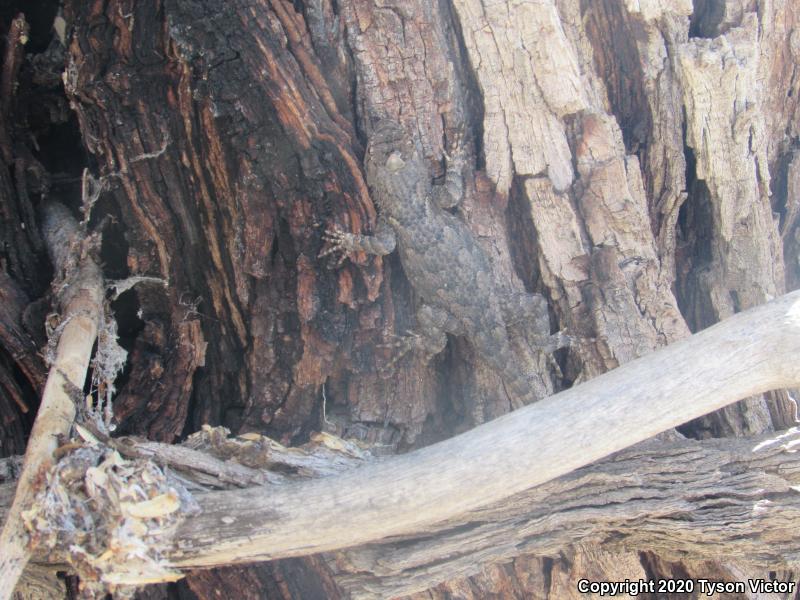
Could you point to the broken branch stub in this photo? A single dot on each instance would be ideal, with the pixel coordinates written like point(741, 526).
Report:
point(80, 295)
point(110, 518)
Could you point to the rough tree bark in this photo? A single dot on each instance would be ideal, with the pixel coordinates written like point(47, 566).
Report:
point(633, 161)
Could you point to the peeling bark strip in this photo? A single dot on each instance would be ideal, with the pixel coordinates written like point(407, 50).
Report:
point(81, 300)
point(749, 353)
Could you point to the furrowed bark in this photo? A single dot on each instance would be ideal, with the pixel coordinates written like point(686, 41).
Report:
point(81, 300)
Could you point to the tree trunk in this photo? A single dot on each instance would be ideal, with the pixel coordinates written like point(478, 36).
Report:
point(634, 162)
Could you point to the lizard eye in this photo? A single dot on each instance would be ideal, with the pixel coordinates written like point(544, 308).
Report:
point(395, 161)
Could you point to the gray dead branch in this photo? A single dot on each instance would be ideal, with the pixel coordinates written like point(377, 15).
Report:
point(80, 295)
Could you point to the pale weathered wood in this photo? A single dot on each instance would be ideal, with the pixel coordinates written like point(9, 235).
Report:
point(749, 353)
point(41, 582)
point(81, 299)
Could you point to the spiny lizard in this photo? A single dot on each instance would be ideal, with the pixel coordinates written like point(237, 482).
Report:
point(442, 259)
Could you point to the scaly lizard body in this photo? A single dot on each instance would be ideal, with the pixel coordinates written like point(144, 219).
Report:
point(441, 258)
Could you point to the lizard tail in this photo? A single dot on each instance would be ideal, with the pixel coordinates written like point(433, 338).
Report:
point(491, 341)
point(518, 383)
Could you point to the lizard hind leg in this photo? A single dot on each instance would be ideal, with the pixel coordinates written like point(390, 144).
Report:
point(428, 338)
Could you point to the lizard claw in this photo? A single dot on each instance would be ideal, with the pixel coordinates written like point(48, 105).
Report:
point(450, 192)
point(457, 151)
point(401, 345)
point(341, 242)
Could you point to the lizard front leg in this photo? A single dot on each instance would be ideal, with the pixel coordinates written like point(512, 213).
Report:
point(451, 191)
point(381, 243)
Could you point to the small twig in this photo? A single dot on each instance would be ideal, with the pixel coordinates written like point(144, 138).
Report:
point(91, 190)
point(12, 60)
point(12, 390)
point(325, 407)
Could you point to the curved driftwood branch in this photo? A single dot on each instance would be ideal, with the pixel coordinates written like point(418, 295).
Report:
point(81, 300)
point(752, 352)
